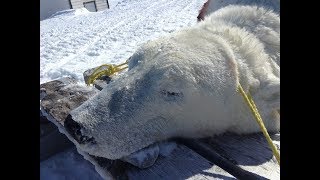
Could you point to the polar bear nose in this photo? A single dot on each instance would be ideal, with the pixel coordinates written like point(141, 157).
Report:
point(74, 129)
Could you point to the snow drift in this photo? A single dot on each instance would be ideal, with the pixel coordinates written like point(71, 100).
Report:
point(184, 85)
point(70, 12)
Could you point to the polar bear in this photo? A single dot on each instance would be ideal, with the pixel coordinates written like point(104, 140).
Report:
point(185, 85)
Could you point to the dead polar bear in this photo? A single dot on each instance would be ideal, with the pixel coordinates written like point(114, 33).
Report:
point(185, 85)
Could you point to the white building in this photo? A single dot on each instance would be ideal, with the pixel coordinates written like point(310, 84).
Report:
point(49, 7)
point(91, 5)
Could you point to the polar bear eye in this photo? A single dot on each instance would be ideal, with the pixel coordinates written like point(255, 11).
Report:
point(170, 95)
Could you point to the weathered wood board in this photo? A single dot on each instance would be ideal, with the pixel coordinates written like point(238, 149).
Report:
point(53, 143)
point(51, 140)
point(182, 163)
point(250, 152)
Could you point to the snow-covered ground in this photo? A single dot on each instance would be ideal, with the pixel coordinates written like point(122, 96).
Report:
point(75, 40)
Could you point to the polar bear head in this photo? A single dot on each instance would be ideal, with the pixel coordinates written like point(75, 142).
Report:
point(182, 85)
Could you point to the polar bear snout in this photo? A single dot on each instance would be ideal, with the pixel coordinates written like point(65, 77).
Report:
point(74, 129)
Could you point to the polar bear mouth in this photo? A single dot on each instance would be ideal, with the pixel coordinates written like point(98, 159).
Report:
point(74, 129)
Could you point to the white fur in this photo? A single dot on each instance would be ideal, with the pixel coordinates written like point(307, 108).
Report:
point(203, 66)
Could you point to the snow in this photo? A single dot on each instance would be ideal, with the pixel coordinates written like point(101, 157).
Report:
point(70, 12)
point(73, 41)
point(114, 3)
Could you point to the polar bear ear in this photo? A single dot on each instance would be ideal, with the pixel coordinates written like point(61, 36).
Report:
point(203, 11)
point(135, 59)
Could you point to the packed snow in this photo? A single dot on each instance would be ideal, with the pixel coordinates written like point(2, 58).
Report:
point(73, 41)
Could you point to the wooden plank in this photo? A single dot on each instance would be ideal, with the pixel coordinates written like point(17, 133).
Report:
point(205, 151)
point(250, 152)
point(53, 143)
point(51, 140)
point(61, 96)
point(182, 163)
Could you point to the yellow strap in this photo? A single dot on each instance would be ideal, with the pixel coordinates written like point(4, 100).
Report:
point(109, 71)
point(248, 99)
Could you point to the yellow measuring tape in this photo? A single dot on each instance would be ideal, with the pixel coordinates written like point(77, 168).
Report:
point(112, 69)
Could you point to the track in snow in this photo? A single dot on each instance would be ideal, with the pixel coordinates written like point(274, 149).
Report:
point(71, 44)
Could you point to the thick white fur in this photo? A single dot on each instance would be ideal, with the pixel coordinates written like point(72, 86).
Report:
point(185, 85)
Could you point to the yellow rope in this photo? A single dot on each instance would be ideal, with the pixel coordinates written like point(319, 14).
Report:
point(248, 99)
point(109, 71)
